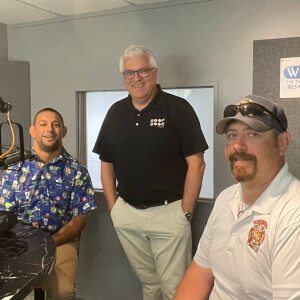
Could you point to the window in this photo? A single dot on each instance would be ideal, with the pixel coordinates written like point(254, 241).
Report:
point(96, 105)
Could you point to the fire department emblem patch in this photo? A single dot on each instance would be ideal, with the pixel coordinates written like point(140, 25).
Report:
point(257, 234)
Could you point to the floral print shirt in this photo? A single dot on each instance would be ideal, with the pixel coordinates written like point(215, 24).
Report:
point(47, 196)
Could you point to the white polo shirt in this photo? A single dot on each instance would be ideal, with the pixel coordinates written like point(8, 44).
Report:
point(255, 256)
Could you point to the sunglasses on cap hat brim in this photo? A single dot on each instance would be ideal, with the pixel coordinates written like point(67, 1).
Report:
point(249, 110)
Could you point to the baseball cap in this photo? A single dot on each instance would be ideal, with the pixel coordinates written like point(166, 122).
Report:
point(259, 113)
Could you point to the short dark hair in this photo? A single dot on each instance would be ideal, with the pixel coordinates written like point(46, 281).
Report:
point(49, 109)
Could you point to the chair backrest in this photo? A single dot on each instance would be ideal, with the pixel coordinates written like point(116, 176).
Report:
point(39, 294)
point(201, 215)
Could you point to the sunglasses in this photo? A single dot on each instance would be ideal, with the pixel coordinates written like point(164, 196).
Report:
point(249, 110)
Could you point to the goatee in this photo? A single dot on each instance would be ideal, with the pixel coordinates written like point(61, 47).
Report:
point(240, 173)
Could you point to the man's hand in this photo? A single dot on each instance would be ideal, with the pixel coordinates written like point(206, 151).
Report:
point(70, 230)
point(108, 179)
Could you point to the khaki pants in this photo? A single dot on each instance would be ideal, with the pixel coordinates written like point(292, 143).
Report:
point(60, 283)
point(158, 244)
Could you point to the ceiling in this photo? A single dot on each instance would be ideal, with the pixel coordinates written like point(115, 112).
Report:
point(28, 12)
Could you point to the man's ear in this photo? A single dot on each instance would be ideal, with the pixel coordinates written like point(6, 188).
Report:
point(32, 131)
point(65, 130)
point(284, 139)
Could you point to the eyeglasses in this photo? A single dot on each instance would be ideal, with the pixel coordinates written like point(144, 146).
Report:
point(143, 72)
point(249, 110)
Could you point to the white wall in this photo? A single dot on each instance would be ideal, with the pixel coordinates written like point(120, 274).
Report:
point(194, 43)
point(202, 101)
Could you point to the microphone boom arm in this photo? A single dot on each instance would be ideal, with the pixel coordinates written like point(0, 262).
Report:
point(4, 107)
point(21, 139)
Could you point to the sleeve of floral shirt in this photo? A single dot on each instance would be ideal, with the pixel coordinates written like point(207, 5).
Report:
point(7, 194)
point(82, 197)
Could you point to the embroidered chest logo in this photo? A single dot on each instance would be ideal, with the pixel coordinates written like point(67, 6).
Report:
point(257, 234)
point(159, 123)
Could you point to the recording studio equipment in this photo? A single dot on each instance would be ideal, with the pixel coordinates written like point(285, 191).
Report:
point(14, 158)
point(15, 154)
point(4, 107)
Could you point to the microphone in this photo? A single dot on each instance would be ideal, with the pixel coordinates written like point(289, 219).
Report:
point(7, 221)
point(4, 107)
point(14, 158)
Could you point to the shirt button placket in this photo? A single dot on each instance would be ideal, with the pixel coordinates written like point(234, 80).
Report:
point(137, 123)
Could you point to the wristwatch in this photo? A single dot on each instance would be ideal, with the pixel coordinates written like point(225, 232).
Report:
point(189, 215)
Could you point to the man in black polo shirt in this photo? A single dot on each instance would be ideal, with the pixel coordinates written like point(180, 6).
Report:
point(151, 143)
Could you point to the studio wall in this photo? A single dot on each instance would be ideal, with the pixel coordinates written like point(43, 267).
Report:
point(196, 44)
point(14, 89)
point(266, 79)
point(3, 42)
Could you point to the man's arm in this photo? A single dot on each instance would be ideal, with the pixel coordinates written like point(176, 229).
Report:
point(70, 230)
point(108, 179)
point(196, 284)
point(286, 255)
point(193, 181)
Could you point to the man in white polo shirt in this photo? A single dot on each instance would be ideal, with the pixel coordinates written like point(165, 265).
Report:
point(250, 248)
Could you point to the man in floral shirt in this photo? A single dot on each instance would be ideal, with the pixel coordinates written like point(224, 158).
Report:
point(51, 191)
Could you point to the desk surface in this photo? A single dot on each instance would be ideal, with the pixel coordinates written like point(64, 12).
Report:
point(26, 256)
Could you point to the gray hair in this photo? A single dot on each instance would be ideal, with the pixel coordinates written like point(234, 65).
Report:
point(135, 50)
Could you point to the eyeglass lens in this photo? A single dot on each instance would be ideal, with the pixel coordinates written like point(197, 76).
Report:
point(144, 72)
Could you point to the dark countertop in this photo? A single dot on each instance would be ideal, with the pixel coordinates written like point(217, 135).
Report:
point(27, 255)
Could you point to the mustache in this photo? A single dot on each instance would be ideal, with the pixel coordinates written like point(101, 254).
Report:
point(242, 155)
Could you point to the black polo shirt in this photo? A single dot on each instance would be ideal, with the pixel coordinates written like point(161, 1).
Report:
point(148, 147)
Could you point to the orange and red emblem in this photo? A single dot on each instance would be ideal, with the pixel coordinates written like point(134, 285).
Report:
point(257, 234)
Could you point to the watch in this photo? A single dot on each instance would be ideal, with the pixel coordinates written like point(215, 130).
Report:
point(188, 215)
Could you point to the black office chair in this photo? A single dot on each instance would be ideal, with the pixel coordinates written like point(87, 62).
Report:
point(39, 294)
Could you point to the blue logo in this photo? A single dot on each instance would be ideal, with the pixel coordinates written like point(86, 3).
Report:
point(292, 72)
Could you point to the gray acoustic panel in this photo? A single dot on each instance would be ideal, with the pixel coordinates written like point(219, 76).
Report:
point(266, 82)
point(3, 41)
point(15, 89)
